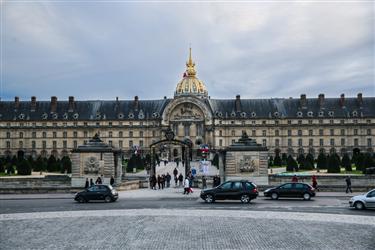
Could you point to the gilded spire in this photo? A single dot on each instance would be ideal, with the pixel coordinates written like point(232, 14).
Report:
point(190, 70)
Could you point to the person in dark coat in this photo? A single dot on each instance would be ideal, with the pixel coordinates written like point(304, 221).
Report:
point(204, 182)
point(163, 181)
point(180, 179)
point(314, 182)
point(112, 181)
point(294, 178)
point(175, 172)
point(87, 184)
point(98, 181)
point(159, 181)
point(168, 179)
point(348, 184)
point(91, 182)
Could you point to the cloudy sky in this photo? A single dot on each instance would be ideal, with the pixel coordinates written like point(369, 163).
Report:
point(103, 49)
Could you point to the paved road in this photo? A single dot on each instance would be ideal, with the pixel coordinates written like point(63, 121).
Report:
point(332, 205)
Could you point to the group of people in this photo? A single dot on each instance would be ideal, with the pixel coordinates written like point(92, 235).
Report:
point(314, 181)
point(163, 181)
point(99, 180)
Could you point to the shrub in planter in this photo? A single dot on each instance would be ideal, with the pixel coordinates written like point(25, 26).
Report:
point(333, 164)
point(346, 163)
point(291, 164)
point(24, 168)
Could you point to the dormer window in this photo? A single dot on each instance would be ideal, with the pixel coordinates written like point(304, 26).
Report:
point(321, 113)
point(299, 114)
point(253, 114)
point(331, 113)
point(310, 114)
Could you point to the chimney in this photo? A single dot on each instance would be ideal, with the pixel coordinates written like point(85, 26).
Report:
point(321, 100)
point(33, 104)
point(359, 99)
point(303, 100)
point(238, 103)
point(16, 102)
point(342, 100)
point(53, 104)
point(71, 104)
point(136, 103)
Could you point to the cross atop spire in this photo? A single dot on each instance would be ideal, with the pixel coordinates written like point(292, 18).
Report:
point(190, 70)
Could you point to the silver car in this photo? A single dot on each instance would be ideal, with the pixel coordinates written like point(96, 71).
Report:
point(363, 201)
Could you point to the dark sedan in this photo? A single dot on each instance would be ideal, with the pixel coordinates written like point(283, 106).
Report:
point(244, 191)
point(97, 192)
point(291, 190)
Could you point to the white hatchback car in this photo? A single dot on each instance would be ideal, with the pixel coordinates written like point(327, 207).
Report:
point(363, 201)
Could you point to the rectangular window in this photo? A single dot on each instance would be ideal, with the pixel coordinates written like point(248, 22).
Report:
point(8, 144)
point(277, 143)
point(110, 134)
point(311, 142)
point(233, 133)
point(299, 132)
point(141, 143)
point(110, 143)
point(220, 142)
point(44, 144)
point(153, 133)
point(220, 133)
point(120, 134)
point(299, 122)
point(130, 143)
point(8, 135)
point(65, 134)
point(310, 122)
point(342, 132)
point(84, 142)
point(321, 132)
point(368, 131)
point(85, 134)
point(130, 134)
point(355, 131)
point(264, 142)
point(20, 144)
point(342, 141)
point(54, 134)
point(264, 122)
point(74, 144)
point(276, 132)
point(120, 144)
point(300, 142)
point(264, 132)
point(331, 121)
point(356, 142)
point(290, 144)
point(311, 132)
point(187, 130)
point(254, 133)
point(321, 142)
point(369, 142)
point(332, 132)
point(233, 141)
point(33, 144)
point(110, 124)
point(65, 144)
point(33, 135)
point(54, 144)
point(332, 142)
point(289, 122)
point(141, 134)
point(75, 134)
point(21, 134)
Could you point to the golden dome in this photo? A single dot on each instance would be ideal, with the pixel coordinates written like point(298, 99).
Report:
point(190, 84)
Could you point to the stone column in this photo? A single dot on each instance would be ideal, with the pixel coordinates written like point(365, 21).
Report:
point(221, 166)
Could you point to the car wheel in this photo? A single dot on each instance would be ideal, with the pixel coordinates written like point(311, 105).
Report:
point(306, 196)
point(359, 205)
point(209, 198)
point(245, 198)
point(81, 199)
point(107, 199)
point(274, 196)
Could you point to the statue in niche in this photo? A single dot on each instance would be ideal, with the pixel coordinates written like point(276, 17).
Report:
point(92, 165)
point(247, 164)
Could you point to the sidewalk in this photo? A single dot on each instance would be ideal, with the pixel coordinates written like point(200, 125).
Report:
point(147, 193)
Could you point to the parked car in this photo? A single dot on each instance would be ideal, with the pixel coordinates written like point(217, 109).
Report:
point(363, 201)
point(245, 191)
point(97, 192)
point(291, 190)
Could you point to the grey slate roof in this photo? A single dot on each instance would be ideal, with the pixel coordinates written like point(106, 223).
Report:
point(221, 108)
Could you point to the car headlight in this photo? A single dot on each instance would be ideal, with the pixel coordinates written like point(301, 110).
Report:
point(267, 190)
point(113, 192)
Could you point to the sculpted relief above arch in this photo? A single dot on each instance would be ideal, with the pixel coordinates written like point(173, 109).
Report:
point(187, 109)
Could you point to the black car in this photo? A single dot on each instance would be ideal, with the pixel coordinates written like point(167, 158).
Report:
point(97, 192)
point(291, 190)
point(244, 191)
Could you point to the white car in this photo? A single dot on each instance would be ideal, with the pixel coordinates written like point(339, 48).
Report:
point(363, 201)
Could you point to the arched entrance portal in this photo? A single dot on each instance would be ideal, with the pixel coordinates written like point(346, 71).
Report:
point(185, 149)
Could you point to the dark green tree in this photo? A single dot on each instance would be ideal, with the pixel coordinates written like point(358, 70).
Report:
point(3, 163)
point(322, 161)
point(359, 162)
point(346, 163)
point(270, 161)
point(215, 160)
point(277, 160)
point(24, 167)
point(291, 164)
point(52, 164)
point(66, 165)
point(333, 164)
point(301, 161)
point(284, 159)
point(310, 158)
point(368, 162)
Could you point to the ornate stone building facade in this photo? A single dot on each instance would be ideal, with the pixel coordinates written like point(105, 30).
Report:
point(290, 125)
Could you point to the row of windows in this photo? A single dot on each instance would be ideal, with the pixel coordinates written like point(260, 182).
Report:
point(65, 144)
point(332, 132)
point(75, 124)
point(332, 142)
point(75, 134)
point(299, 122)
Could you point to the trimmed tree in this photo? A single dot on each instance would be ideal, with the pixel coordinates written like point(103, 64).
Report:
point(346, 163)
point(310, 158)
point(368, 162)
point(24, 168)
point(215, 160)
point(291, 164)
point(301, 161)
point(270, 161)
point(333, 164)
point(322, 161)
point(66, 165)
point(284, 159)
point(359, 162)
point(277, 160)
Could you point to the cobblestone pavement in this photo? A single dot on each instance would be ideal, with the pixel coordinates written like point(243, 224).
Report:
point(185, 229)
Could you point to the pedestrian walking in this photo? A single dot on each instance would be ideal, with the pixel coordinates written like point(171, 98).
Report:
point(204, 182)
point(87, 184)
point(294, 178)
point(314, 182)
point(98, 181)
point(175, 172)
point(159, 181)
point(112, 181)
point(163, 181)
point(348, 184)
point(175, 181)
point(91, 182)
point(168, 178)
point(180, 180)
point(153, 182)
point(186, 186)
